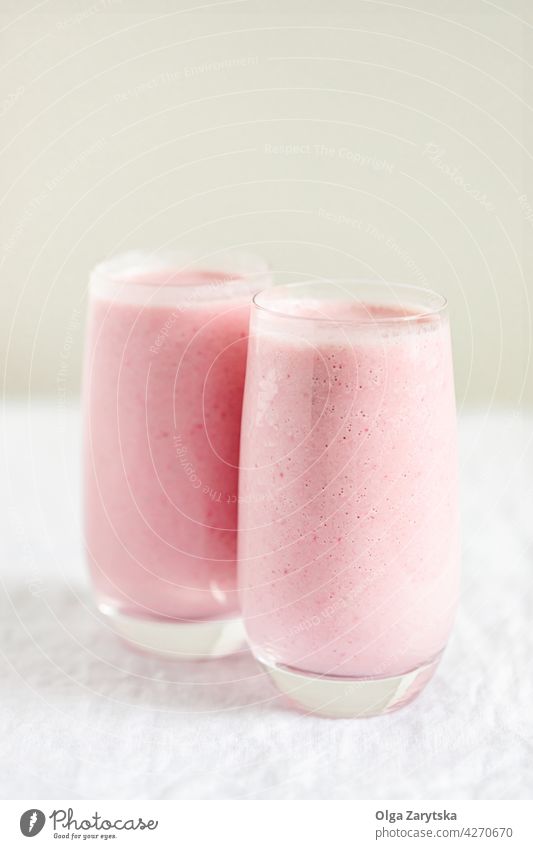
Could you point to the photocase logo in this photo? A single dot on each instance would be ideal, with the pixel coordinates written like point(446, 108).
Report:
point(63, 820)
point(32, 822)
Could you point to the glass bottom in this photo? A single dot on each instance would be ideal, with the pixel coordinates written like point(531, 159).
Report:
point(208, 638)
point(350, 698)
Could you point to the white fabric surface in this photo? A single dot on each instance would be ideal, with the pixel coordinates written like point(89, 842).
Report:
point(83, 717)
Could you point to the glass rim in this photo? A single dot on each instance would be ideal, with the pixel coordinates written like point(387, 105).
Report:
point(132, 266)
point(172, 277)
point(441, 303)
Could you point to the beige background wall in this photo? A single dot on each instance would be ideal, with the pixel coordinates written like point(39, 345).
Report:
point(333, 137)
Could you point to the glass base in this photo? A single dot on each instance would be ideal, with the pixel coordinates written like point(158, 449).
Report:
point(350, 698)
point(204, 639)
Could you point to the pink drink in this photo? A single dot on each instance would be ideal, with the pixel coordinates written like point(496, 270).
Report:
point(348, 489)
point(166, 356)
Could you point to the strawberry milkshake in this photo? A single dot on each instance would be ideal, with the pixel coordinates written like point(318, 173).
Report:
point(348, 515)
point(165, 365)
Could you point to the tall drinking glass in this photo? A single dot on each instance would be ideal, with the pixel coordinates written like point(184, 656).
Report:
point(164, 376)
point(348, 505)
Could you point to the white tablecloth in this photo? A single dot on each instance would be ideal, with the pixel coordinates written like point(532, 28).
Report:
point(83, 717)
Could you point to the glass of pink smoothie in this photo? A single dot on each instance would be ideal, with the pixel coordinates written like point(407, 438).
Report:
point(348, 504)
point(164, 375)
